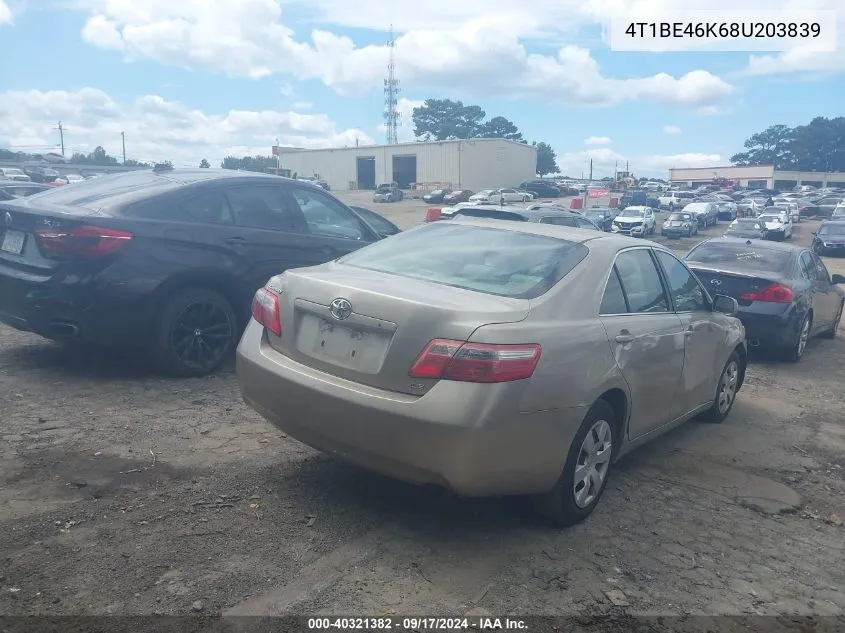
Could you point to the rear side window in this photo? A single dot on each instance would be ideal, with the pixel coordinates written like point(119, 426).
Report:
point(641, 281)
point(489, 260)
point(265, 208)
point(754, 257)
point(326, 216)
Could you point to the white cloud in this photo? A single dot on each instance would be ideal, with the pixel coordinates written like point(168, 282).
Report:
point(672, 130)
point(302, 105)
point(598, 140)
point(798, 60)
point(5, 13)
point(405, 128)
point(606, 160)
point(157, 129)
point(482, 55)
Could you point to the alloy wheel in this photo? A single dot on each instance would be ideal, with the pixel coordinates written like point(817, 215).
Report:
point(727, 386)
point(802, 338)
point(593, 463)
point(201, 334)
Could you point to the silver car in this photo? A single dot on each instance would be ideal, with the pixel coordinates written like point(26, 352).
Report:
point(492, 357)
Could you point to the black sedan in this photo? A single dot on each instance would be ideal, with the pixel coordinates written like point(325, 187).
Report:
point(785, 293)
point(748, 228)
point(437, 195)
point(603, 218)
point(821, 207)
point(165, 261)
point(540, 189)
point(830, 238)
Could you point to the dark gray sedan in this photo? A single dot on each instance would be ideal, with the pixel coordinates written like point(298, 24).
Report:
point(750, 228)
point(543, 214)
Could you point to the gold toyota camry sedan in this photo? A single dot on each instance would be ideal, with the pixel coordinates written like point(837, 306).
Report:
point(492, 357)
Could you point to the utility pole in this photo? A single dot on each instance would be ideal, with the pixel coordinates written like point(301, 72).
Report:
point(62, 137)
point(123, 141)
point(589, 182)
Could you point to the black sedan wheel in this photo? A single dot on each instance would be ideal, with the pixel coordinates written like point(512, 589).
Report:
point(194, 333)
point(796, 352)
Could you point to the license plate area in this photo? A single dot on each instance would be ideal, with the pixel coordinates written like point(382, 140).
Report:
point(13, 242)
point(330, 342)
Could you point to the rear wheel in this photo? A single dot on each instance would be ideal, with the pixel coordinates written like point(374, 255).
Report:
point(725, 391)
point(584, 477)
point(796, 352)
point(195, 331)
point(831, 333)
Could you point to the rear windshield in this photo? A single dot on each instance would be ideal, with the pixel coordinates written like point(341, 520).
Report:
point(832, 229)
point(489, 260)
point(746, 225)
point(105, 192)
point(493, 215)
point(755, 257)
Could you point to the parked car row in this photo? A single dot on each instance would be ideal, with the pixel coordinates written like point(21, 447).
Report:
point(453, 336)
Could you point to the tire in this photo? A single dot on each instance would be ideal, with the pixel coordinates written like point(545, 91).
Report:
point(559, 505)
point(726, 390)
point(831, 333)
point(525, 199)
point(184, 309)
point(796, 352)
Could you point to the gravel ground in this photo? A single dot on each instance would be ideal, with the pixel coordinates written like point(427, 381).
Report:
point(123, 493)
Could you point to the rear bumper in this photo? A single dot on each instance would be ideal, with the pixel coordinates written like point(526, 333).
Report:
point(832, 249)
point(70, 312)
point(675, 232)
point(765, 330)
point(466, 437)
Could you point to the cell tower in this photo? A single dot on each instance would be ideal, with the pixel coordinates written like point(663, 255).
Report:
point(391, 96)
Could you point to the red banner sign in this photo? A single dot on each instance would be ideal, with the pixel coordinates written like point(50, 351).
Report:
point(598, 193)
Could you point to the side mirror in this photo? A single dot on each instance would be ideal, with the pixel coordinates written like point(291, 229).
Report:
point(837, 279)
point(814, 233)
point(725, 305)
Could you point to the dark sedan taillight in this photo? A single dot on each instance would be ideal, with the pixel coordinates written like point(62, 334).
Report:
point(85, 241)
point(775, 293)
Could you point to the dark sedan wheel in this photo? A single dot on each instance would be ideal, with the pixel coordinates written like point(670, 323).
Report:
point(831, 333)
point(799, 346)
point(194, 333)
point(585, 473)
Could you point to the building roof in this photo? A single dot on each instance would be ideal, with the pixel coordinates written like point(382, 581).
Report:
point(296, 150)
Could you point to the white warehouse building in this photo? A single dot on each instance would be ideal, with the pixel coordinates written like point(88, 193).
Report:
point(759, 176)
point(474, 164)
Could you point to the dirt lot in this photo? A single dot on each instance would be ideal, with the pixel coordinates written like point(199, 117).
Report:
point(125, 493)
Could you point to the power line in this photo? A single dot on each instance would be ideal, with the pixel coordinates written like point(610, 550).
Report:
point(391, 95)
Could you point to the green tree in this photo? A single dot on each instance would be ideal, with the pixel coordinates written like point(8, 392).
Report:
point(250, 163)
point(444, 119)
point(546, 159)
point(820, 145)
point(131, 162)
point(204, 164)
point(500, 127)
point(772, 146)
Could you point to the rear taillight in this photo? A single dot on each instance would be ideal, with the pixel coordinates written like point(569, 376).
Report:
point(776, 293)
point(475, 362)
point(81, 241)
point(266, 310)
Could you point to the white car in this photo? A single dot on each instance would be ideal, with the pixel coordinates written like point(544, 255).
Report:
point(69, 179)
point(778, 224)
point(676, 200)
point(790, 207)
point(483, 195)
point(634, 221)
point(497, 196)
point(12, 173)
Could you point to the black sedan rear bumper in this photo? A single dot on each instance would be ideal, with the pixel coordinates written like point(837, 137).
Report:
point(774, 331)
point(830, 249)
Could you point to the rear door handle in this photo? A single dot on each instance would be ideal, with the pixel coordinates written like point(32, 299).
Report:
point(689, 331)
point(625, 338)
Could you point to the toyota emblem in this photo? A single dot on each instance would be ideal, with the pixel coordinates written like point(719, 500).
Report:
point(8, 219)
point(715, 282)
point(340, 309)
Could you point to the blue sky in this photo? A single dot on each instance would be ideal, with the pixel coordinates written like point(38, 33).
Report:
point(188, 79)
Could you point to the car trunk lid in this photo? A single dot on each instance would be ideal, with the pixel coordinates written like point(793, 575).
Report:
point(732, 282)
point(385, 322)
